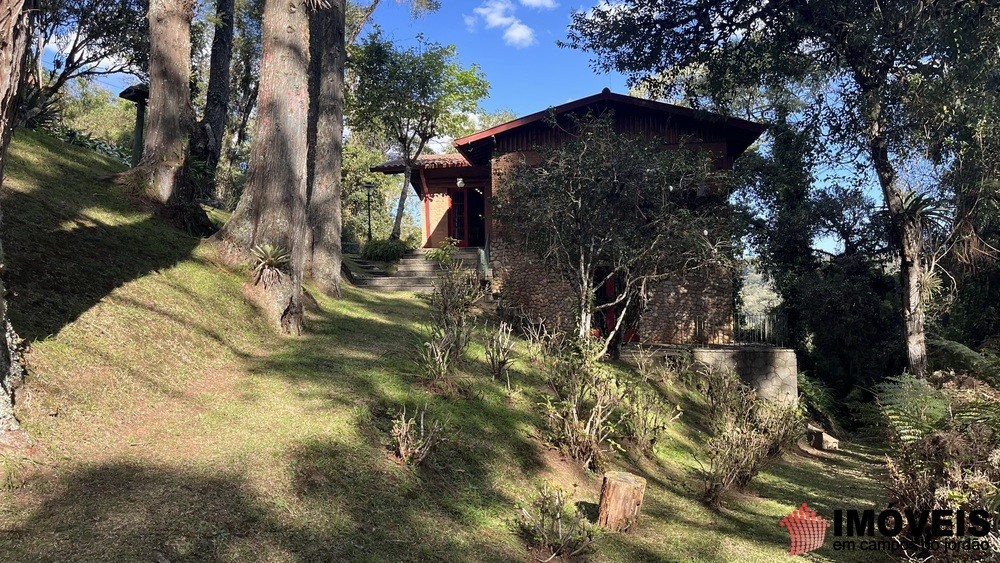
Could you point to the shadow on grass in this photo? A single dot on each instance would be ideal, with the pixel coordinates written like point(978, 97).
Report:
point(68, 245)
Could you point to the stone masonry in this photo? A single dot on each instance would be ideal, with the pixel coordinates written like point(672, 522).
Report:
point(772, 372)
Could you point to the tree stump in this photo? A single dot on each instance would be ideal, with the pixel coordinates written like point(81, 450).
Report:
point(621, 500)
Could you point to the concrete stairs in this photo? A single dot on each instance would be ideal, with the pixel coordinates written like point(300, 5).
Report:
point(414, 272)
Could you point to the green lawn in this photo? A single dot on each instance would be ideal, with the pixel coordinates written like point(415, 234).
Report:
point(169, 418)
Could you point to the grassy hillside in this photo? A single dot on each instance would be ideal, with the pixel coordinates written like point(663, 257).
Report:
point(171, 422)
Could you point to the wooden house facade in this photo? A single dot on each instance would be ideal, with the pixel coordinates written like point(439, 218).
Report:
point(456, 190)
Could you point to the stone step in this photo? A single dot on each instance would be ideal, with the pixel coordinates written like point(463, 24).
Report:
point(421, 285)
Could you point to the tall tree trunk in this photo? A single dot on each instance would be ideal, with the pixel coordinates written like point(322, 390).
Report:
point(272, 209)
point(397, 226)
point(278, 157)
point(906, 237)
point(160, 174)
point(329, 58)
point(15, 37)
point(207, 145)
point(911, 271)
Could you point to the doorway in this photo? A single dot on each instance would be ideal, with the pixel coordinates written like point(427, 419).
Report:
point(467, 222)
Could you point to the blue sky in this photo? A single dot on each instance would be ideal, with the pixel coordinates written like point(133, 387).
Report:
point(514, 42)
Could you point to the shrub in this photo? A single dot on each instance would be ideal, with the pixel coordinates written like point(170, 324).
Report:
point(499, 351)
point(456, 292)
point(434, 356)
point(584, 412)
point(551, 525)
point(646, 418)
point(944, 437)
point(748, 434)
point(536, 335)
point(269, 261)
point(818, 402)
point(384, 250)
point(412, 439)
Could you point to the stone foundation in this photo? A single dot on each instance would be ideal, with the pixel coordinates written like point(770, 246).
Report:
point(530, 289)
point(772, 372)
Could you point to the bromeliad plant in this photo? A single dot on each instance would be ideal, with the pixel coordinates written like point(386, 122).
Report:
point(499, 351)
point(269, 263)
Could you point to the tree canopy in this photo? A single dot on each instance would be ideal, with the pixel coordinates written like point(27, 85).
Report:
point(411, 95)
point(898, 80)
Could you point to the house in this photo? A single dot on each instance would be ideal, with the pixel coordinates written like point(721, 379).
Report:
point(455, 191)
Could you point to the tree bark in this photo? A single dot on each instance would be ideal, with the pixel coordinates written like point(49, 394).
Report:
point(397, 226)
point(276, 184)
point(160, 174)
point(621, 501)
point(273, 207)
point(906, 237)
point(207, 145)
point(326, 157)
point(15, 37)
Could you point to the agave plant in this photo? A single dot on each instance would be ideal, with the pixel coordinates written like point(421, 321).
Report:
point(269, 260)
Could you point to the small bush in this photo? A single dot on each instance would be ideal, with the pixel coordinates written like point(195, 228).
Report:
point(584, 412)
point(647, 417)
point(499, 351)
point(944, 437)
point(552, 525)
point(819, 403)
point(435, 355)
point(536, 335)
point(453, 301)
point(269, 261)
point(384, 250)
point(413, 439)
point(748, 435)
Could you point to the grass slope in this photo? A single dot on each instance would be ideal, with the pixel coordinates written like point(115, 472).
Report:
point(170, 419)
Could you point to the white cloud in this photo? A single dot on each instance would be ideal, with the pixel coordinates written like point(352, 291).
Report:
point(519, 35)
point(540, 4)
point(500, 14)
point(496, 13)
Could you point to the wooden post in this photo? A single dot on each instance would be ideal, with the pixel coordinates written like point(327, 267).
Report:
point(621, 500)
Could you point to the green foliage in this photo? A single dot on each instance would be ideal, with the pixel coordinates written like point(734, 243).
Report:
point(748, 435)
point(647, 416)
point(585, 410)
point(945, 443)
point(950, 355)
point(409, 96)
point(269, 262)
point(434, 356)
point(550, 522)
point(356, 172)
point(456, 293)
point(819, 402)
point(98, 115)
point(385, 250)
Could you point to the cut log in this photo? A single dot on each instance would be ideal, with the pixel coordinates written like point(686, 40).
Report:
point(621, 500)
point(822, 441)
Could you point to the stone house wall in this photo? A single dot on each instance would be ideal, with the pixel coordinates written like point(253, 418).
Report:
point(693, 309)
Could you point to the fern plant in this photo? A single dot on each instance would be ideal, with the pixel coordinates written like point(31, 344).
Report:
point(269, 261)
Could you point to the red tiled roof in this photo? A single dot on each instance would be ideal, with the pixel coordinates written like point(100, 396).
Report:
point(424, 161)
